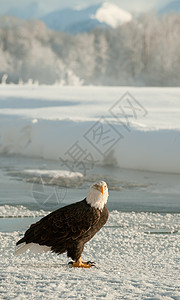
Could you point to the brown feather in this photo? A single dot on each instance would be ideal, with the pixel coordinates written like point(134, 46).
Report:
point(67, 229)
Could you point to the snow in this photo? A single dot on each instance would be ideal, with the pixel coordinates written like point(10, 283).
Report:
point(10, 211)
point(53, 173)
point(112, 15)
point(50, 121)
point(45, 178)
point(131, 263)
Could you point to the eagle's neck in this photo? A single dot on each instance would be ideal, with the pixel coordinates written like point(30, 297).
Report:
point(96, 199)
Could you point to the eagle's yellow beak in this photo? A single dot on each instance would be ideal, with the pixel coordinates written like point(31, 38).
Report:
point(102, 189)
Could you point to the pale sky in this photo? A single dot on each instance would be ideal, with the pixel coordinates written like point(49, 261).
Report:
point(46, 5)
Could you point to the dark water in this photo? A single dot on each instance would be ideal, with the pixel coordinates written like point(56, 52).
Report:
point(129, 190)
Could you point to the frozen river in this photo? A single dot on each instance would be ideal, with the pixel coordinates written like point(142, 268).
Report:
point(130, 190)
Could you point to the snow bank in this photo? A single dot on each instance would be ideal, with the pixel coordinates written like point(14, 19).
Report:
point(50, 177)
point(9, 211)
point(52, 173)
point(85, 126)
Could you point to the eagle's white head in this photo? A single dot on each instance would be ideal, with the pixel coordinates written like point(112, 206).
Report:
point(98, 195)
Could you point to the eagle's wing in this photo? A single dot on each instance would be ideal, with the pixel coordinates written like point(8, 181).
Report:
point(71, 221)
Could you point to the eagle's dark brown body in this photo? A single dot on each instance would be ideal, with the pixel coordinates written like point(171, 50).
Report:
point(67, 229)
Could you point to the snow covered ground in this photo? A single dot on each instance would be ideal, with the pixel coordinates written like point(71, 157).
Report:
point(137, 257)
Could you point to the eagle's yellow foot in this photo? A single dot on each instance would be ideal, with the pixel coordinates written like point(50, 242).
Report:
point(81, 264)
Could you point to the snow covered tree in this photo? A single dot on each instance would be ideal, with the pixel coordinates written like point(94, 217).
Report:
point(144, 51)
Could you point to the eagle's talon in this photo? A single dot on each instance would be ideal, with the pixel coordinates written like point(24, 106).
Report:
point(92, 263)
point(82, 264)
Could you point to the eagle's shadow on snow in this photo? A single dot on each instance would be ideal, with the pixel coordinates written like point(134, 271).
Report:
point(65, 266)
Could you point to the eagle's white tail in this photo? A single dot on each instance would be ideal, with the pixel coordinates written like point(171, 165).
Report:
point(35, 248)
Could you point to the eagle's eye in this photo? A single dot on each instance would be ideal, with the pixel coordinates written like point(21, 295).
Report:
point(96, 186)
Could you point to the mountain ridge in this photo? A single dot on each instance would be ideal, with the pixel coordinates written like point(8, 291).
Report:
point(73, 21)
point(172, 6)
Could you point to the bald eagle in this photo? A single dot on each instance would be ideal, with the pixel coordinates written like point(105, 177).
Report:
point(67, 229)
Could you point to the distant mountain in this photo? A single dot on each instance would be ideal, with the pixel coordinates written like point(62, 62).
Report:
point(74, 21)
point(173, 6)
point(30, 11)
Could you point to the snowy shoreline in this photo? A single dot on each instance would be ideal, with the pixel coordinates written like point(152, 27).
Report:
point(47, 122)
point(143, 221)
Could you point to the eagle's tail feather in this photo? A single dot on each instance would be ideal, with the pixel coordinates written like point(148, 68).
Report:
point(21, 248)
point(35, 248)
